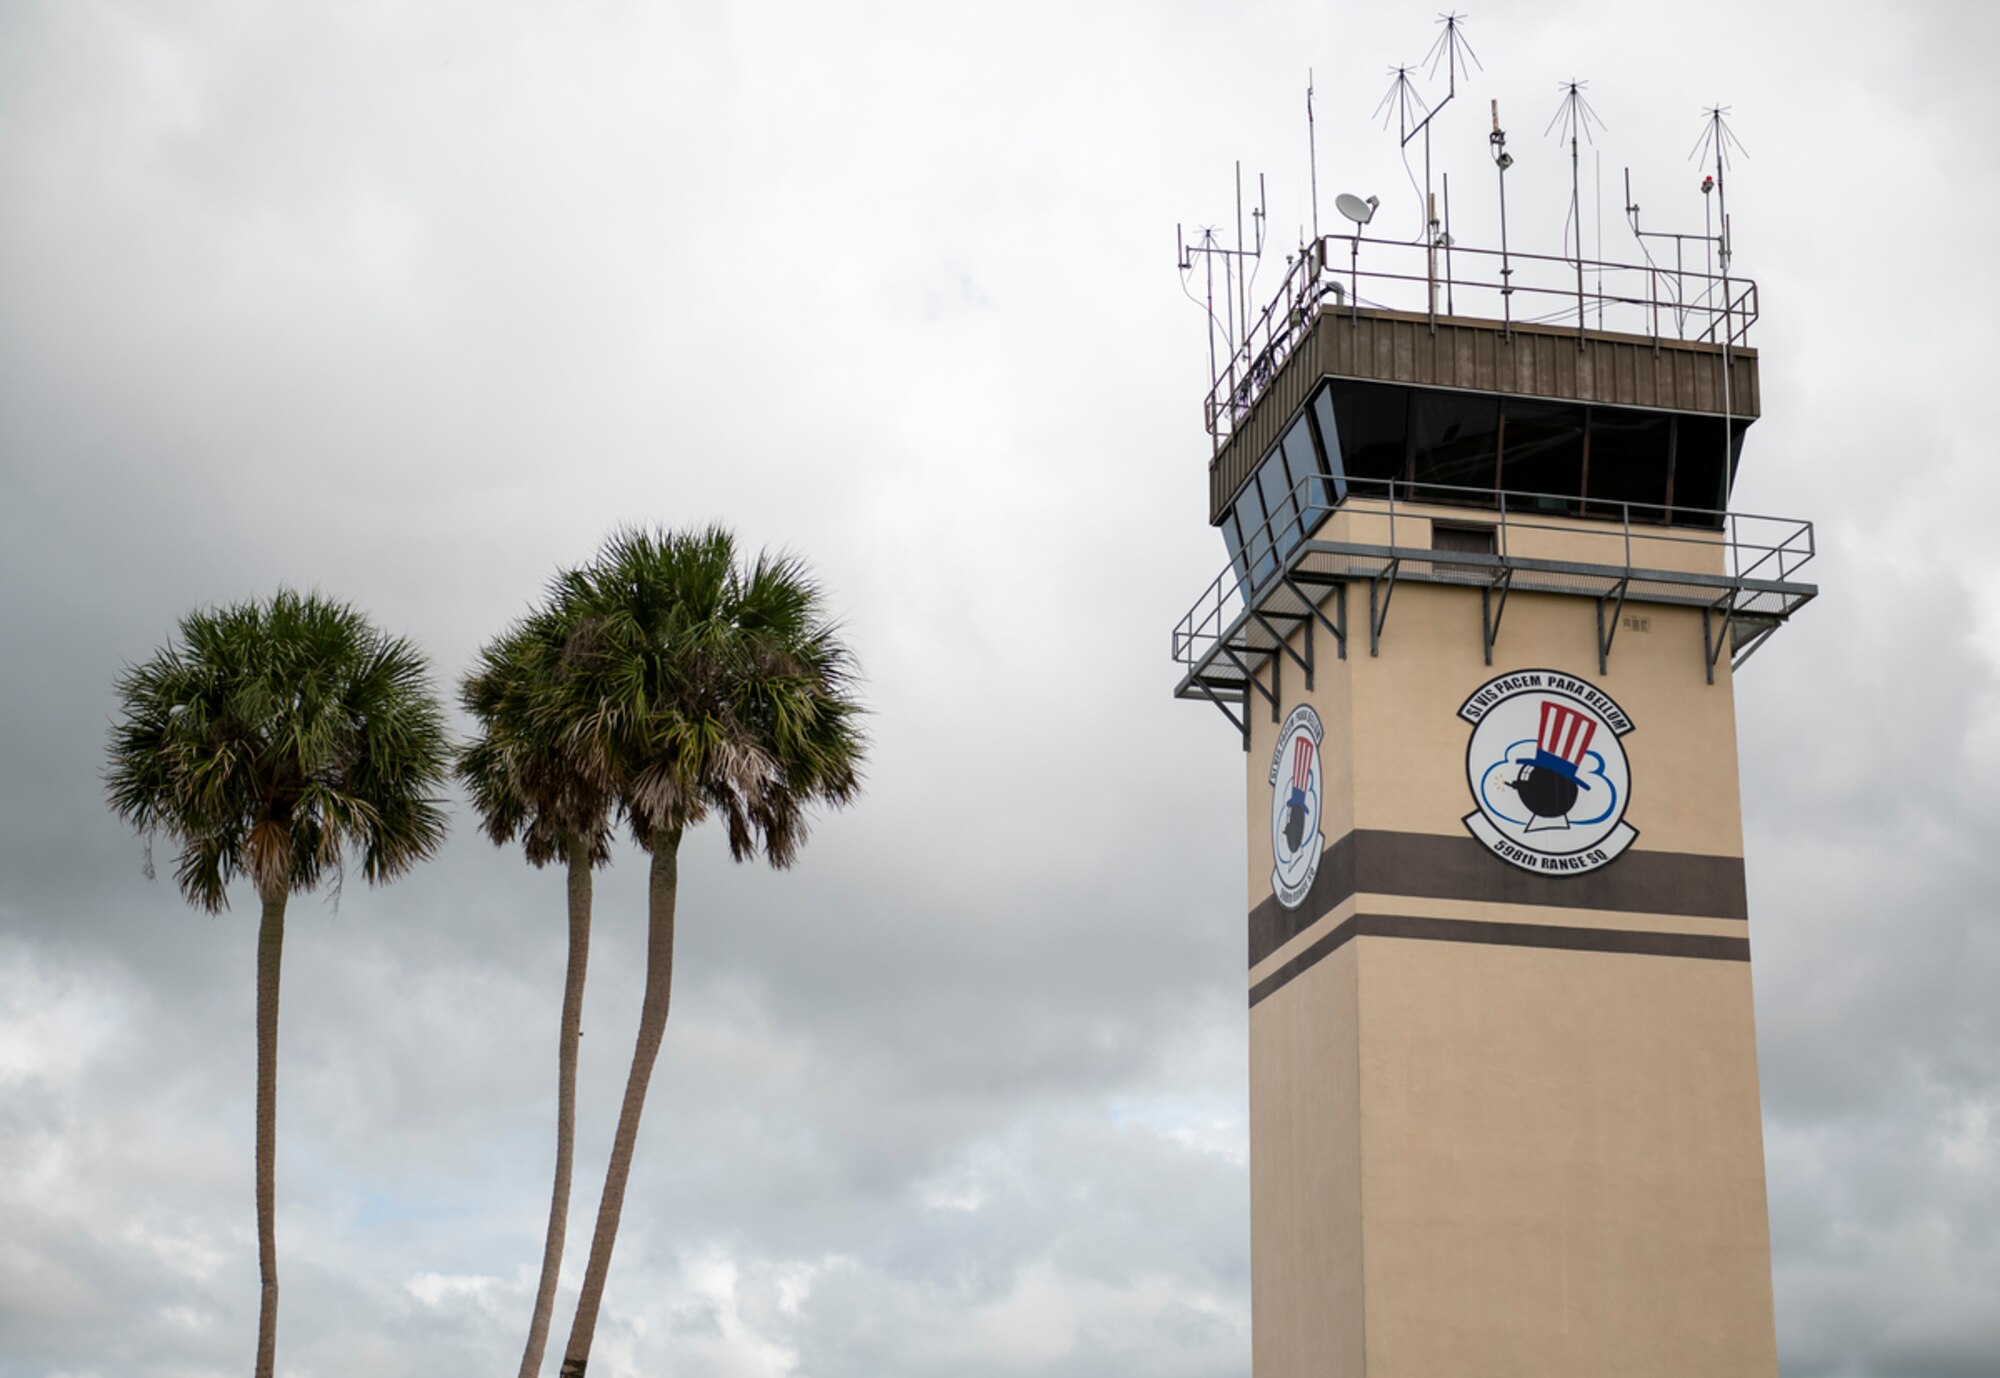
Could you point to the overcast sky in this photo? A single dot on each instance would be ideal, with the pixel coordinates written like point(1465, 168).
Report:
point(412, 304)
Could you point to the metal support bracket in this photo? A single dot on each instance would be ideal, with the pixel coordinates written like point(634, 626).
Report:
point(1381, 588)
point(1491, 610)
point(1284, 643)
point(1749, 648)
point(1607, 631)
point(1338, 625)
point(1712, 641)
point(1242, 724)
point(1250, 678)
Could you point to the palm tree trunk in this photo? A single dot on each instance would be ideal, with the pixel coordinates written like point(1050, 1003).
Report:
point(566, 1050)
point(270, 948)
point(661, 889)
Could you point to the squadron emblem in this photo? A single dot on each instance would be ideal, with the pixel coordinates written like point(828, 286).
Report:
point(1548, 772)
point(1295, 798)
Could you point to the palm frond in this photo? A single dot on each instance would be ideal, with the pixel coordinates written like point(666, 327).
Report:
point(273, 739)
point(700, 685)
point(533, 774)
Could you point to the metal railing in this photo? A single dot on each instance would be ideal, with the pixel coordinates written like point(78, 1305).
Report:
point(1648, 300)
point(1545, 542)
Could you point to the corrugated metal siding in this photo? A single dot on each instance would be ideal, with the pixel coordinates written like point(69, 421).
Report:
point(1390, 347)
point(1259, 431)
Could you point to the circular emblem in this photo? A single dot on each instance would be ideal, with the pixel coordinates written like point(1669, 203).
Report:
point(1548, 772)
point(1295, 790)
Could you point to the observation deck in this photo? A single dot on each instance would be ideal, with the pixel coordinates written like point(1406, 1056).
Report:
point(1391, 418)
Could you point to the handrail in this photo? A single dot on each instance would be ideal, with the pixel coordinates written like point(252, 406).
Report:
point(1646, 300)
point(1756, 549)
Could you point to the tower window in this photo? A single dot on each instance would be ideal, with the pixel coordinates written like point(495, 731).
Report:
point(1701, 470)
point(1544, 454)
point(1373, 421)
point(1455, 446)
point(1473, 540)
point(1629, 454)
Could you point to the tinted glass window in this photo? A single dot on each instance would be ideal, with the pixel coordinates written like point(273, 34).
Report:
point(1455, 445)
point(1277, 487)
point(1373, 423)
point(1232, 538)
point(1257, 552)
point(1629, 453)
point(1701, 470)
point(1309, 488)
point(1247, 512)
point(1544, 454)
point(1329, 441)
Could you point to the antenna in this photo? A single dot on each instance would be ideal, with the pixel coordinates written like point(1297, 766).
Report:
point(1413, 115)
point(1446, 240)
point(1250, 338)
point(1312, 153)
point(1575, 117)
point(1238, 270)
point(1717, 140)
point(1502, 160)
point(1360, 212)
point(1185, 254)
point(1597, 161)
point(1356, 209)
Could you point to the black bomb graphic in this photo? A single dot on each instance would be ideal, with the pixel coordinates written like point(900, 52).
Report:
point(1548, 772)
point(1549, 784)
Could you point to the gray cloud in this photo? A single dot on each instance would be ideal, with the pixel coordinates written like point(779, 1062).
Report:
point(415, 307)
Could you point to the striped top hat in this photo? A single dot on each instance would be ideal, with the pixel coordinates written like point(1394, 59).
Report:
point(1302, 769)
point(1564, 738)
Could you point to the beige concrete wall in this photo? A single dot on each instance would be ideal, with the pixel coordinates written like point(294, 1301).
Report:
point(1562, 1165)
point(1409, 744)
point(1485, 1158)
point(1305, 1188)
point(1533, 536)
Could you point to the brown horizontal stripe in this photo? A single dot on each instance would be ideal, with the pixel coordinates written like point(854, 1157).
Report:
point(1272, 925)
point(1698, 945)
point(1371, 861)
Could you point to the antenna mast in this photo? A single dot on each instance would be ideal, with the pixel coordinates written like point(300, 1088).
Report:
point(1574, 117)
point(1312, 153)
point(1452, 50)
point(1502, 160)
point(1238, 271)
point(1717, 140)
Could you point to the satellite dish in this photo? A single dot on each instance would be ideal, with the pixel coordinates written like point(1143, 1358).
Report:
point(1355, 209)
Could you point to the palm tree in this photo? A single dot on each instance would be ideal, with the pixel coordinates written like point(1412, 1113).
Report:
point(274, 740)
point(698, 686)
point(527, 782)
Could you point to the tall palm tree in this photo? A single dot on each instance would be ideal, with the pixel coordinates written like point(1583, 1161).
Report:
point(273, 741)
point(528, 782)
point(700, 686)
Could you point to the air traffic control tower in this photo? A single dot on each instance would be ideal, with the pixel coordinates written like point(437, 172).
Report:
point(1478, 631)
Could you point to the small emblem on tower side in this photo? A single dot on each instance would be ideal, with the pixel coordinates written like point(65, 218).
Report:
point(1548, 772)
point(1295, 796)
